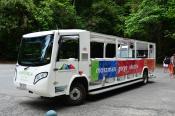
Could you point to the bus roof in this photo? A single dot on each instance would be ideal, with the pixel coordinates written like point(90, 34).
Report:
point(99, 35)
point(77, 31)
point(62, 32)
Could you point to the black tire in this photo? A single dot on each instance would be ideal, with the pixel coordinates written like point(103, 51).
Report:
point(77, 95)
point(145, 77)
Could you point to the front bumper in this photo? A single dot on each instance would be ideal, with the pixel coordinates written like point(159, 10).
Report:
point(41, 88)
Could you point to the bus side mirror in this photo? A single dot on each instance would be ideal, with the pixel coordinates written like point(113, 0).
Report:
point(150, 46)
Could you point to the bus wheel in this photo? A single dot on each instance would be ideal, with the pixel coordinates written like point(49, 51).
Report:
point(145, 77)
point(77, 95)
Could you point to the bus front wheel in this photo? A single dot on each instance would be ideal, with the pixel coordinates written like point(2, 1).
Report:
point(77, 95)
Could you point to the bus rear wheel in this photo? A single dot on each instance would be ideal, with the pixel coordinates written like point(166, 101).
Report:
point(145, 77)
point(77, 95)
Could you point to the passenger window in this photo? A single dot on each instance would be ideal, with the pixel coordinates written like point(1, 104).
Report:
point(142, 53)
point(142, 50)
point(68, 47)
point(110, 50)
point(126, 49)
point(96, 50)
point(122, 51)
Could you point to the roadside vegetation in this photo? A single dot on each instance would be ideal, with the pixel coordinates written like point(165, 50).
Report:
point(148, 20)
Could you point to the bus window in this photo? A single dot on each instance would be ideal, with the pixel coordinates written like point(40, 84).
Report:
point(122, 51)
point(142, 53)
point(96, 49)
point(142, 50)
point(68, 47)
point(110, 50)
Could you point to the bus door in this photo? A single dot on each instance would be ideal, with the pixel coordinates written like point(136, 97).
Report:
point(67, 61)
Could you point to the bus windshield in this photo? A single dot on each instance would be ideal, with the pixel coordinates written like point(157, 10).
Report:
point(35, 51)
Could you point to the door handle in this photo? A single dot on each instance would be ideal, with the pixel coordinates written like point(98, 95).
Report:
point(55, 69)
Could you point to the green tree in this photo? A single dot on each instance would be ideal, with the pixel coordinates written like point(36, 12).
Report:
point(170, 16)
point(106, 16)
point(139, 19)
point(20, 16)
point(146, 23)
point(57, 14)
point(16, 19)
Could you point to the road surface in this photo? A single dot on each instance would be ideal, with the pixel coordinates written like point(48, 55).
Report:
point(157, 98)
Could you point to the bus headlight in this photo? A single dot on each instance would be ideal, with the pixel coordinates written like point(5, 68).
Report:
point(40, 76)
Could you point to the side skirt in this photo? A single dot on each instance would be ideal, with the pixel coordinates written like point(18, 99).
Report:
point(115, 86)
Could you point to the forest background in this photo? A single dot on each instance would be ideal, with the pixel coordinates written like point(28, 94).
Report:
point(147, 20)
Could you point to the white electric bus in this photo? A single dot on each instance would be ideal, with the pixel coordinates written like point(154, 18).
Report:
point(78, 62)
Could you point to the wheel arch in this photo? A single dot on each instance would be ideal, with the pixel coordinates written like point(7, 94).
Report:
point(145, 68)
point(78, 79)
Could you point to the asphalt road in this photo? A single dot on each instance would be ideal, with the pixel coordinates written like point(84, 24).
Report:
point(157, 98)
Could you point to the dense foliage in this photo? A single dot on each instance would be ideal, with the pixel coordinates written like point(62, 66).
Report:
point(148, 20)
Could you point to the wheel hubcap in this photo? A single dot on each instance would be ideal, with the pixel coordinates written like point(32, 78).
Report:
point(75, 94)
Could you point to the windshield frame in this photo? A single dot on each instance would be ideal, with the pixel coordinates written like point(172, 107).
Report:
point(47, 47)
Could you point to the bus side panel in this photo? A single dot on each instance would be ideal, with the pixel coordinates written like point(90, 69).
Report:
point(84, 52)
point(150, 63)
point(103, 69)
point(126, 67)
point(119, 69)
